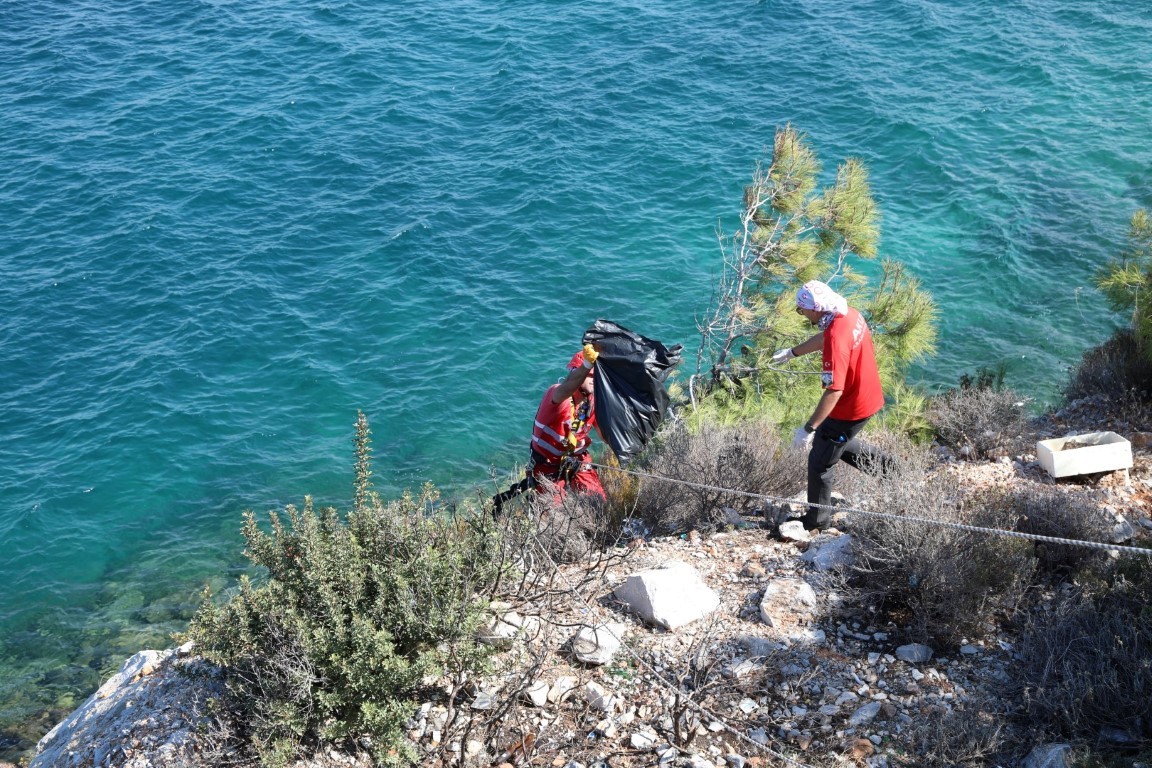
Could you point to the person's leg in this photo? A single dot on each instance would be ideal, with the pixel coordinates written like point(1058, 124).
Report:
point(867, 459)
point(828, 447)
point(588, 482)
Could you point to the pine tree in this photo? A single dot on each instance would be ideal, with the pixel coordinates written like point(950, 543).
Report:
point(793, 230)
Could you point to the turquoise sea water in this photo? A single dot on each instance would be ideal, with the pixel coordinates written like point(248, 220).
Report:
point(226, 227)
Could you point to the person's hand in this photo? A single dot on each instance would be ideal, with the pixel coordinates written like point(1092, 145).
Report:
point(590, 355)
point(802, 439)
point(782, 356)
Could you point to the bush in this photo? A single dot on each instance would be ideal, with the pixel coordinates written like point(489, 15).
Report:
point(354, 612)
point(1087, 659)
point(748, 457)
point(1064, 515)
point(570, 528)
point(965, 738)
point(938, 581)
point(982, 421)
point(1116, 370)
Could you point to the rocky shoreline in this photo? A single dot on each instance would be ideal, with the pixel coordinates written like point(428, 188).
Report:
point(730, 649)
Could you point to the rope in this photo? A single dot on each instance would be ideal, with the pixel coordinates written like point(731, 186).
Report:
point(901, 518)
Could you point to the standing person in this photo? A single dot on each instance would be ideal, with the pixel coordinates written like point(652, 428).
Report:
point(852, 392)
point(560, 433)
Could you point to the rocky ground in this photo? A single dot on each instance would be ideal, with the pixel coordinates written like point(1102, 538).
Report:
point(778, 669)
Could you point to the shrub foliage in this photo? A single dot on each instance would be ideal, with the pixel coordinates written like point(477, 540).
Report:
point(748, 457)
point(1087, 659)
point(354, 611)
point(984, 421)
point(940, 580)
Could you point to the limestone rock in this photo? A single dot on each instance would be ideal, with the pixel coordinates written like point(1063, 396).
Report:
point(914, 653)
point(598, 645)
point(670, 596)
point(147, 684)
point(828, 552)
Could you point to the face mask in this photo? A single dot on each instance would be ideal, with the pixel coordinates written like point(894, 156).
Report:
point(825, 320)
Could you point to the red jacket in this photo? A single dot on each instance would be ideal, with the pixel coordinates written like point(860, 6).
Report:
point(554, 423)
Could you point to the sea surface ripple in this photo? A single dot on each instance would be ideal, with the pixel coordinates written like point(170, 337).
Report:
point(228, 227)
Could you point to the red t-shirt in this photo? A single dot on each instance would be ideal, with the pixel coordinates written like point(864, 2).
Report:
point(850, 366)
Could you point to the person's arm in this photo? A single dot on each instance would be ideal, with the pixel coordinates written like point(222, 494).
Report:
point(571, 383)
point(576, 376)
point(813, 344)
point(827, 402)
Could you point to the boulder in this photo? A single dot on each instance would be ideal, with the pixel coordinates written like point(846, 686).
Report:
point(148, 704)
point(670, 596)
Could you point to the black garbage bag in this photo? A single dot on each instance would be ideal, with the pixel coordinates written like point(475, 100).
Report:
point(631, 401)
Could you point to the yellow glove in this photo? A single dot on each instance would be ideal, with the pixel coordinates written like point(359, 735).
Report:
point(590, 355)
point(572, 440)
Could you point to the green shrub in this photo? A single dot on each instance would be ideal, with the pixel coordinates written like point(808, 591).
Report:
point(353, 613)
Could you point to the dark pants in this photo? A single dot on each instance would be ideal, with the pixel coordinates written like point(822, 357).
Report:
point(835, 441)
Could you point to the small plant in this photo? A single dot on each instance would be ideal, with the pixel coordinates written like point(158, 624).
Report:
point(965, 738)
point(354, 611)
point(748, 457)
point(985, 378)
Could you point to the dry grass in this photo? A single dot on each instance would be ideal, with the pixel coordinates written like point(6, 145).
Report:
point(748, 457)
point(981, 422)
point(1087, 661)
point(942, 580)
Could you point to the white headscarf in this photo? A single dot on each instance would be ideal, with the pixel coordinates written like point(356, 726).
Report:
point(818, 296)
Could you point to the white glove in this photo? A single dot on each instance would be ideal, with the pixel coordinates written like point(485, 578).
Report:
point(782, 356)
point(802, 440)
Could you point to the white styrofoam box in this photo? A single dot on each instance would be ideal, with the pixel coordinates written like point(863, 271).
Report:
point(1084, 454)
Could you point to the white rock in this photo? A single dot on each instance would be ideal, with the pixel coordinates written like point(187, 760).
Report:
point(828, 553)
point(914, 653)
point(561, 689)
point(538, 693)
point(502, 630)
point(1048, 756)
point(598, 645)
point(670, 596)
point(600, 699)
point(865, 714)
point(793, 530)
